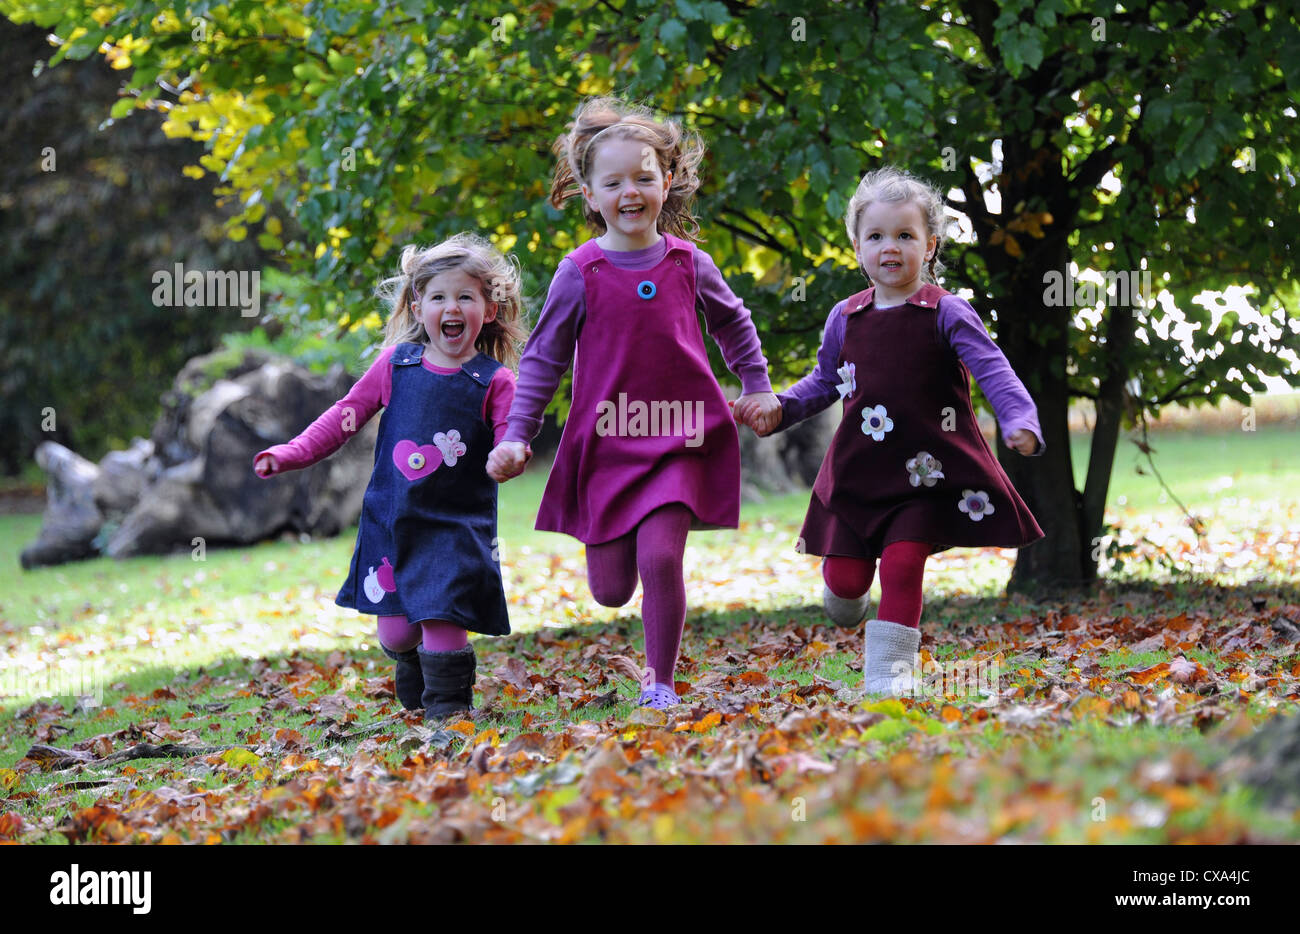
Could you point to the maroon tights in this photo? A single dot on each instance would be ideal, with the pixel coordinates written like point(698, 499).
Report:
point(901, 568)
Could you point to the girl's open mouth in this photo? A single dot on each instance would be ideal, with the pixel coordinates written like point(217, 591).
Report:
point(453, 329)
point(635, 211)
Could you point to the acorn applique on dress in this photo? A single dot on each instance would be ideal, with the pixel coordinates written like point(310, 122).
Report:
point(380, 582)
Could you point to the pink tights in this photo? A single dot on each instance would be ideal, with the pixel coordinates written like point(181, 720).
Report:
point(436, 635)
point(654, 548)
point(901, 568)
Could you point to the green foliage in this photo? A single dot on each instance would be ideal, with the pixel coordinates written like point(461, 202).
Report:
point(319, 351)
point(86, 218)
point(316, 343)
point(341, 116)
point(346, 129)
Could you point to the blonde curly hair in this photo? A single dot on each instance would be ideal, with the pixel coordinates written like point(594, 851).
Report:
point(894, 185)
point(498, 276)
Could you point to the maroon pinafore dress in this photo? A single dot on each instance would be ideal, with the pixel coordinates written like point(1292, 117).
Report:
point(908, 462)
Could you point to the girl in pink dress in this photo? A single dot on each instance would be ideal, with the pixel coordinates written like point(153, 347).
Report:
point(908, 472)
point(649, 450)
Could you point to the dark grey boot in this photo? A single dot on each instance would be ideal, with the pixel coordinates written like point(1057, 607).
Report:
point(448, 681)
point(407, 678)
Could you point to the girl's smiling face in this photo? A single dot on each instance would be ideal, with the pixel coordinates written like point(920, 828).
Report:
point(627, 187)
point(453, 311)
point(892, 246)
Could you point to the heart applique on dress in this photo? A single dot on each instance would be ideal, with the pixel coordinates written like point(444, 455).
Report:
point(416, 461)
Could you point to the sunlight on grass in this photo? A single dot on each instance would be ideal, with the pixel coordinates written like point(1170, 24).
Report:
point(246, 652)
point(113, 619)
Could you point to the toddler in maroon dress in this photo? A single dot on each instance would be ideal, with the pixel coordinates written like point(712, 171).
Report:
point(649, 450)
point(908, 472)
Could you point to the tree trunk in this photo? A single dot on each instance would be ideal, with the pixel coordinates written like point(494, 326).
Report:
point(1269, 761)
point(1105, 434)
point(1047, 485)
point(1035, 338)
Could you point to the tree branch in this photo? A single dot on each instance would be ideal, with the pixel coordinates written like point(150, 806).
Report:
point(1172, 394)
point(757, 238)
point(52, 758)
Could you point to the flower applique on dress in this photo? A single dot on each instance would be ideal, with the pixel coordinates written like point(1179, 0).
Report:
point(876, 422)
point(450, 445)
point(975, 504)
point(925, 468)
point(849, 376)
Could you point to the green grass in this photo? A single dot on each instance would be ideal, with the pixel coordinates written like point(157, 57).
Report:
point(1205, 470)
point(1092, 768)
point(204, 628)
point(179, 613)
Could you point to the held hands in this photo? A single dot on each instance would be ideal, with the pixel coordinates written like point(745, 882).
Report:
point(508, 460)
point(1023, 441)
point(761, 411)
point(265, 466)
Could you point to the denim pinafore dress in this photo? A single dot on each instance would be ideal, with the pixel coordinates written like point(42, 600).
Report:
point(426, 543)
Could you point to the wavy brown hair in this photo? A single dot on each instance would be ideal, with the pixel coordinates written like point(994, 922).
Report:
point(499, 281)
point(677, 151)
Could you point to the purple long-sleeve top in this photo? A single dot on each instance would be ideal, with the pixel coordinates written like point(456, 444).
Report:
point(551, 346)
point(960, 324)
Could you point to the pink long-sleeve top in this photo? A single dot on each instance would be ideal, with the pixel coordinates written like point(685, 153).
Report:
point(367, 396)
point(551, 346)
point(960, 324)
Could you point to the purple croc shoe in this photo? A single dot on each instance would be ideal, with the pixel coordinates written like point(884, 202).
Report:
point(660, 697)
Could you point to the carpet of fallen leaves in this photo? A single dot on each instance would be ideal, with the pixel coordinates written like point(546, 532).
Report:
point(769, 745)
point(1109, 718)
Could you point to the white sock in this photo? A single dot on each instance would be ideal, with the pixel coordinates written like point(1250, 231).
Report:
point(844, 611)
point(891, 657)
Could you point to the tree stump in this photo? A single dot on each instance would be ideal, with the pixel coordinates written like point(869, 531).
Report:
point(71, 519)
point(193, 484)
